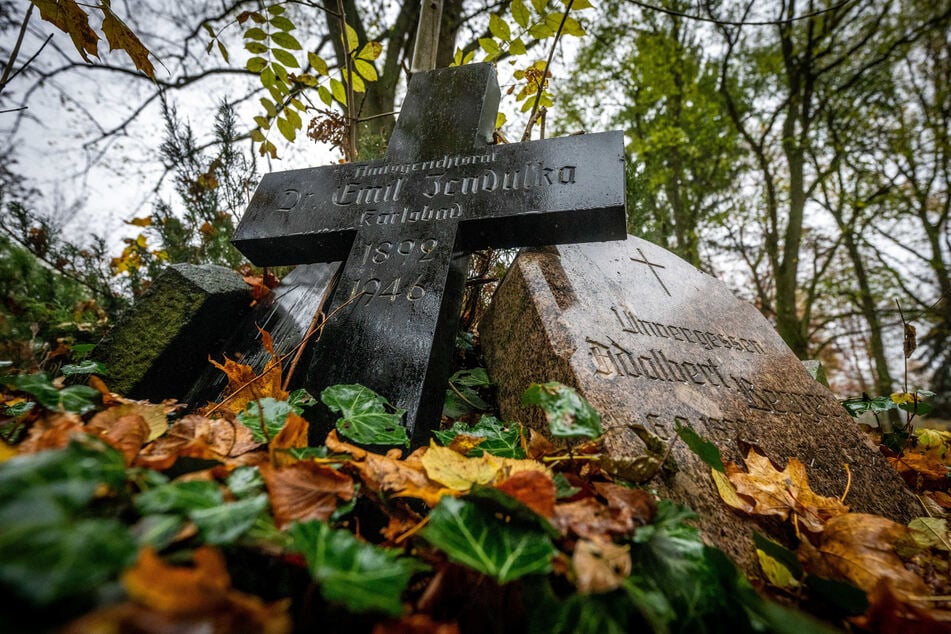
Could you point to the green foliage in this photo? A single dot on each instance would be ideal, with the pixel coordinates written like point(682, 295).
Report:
point(364, 415)
point(78, 399)
point(500, 440)
point(265, 418)
point(211, 184)
point(49, 546)
point(359, 576)
point(569, 414)
point(706, 450)
point(478, 539)
point(462, 397)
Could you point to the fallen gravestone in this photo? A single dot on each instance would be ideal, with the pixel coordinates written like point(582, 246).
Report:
point(403, 225)
point(286, 314)
point(649, 340)
point(159, 348)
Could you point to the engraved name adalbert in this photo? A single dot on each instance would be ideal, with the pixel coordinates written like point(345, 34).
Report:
point(378, 193)
point(612, 358)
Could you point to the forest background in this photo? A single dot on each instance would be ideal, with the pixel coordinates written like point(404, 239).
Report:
point(800, 151)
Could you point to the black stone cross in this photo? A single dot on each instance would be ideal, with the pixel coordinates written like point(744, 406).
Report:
point(404, 224)
point(652, 266)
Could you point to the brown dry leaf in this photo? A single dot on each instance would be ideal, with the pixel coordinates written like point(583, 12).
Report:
point(889, 612)
point(155, 417)
point(921, 470)
point(600, 566)
point(198, 437)
point(940, 498)
point(126, 433)
point(534, 489)
point(52, 432)
point(305, 491)
point(782, 493)
point(292, 436)
point(383, 474)
point(415, 624)
point(587, 518)
point(464, 443)
point(179, 590)
point(121, 36)
point(639, 504)
point(539, 446)
point(67, 16)
point(860, 548)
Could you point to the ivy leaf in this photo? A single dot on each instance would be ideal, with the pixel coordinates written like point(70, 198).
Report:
point(499, 440)
point(569, 415)
point(364, 416)
point(121, 37)
point(265, 417)
point(78, 399)
point(49, 561)
point(157, 531)
point(179, 497)
point(86, 367)
point(477, 539)
point(360, 576)
point(225, 523)
point(245, 482)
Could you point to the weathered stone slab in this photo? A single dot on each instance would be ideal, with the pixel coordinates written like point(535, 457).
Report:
point(161, 345)
point(286, 314)
point(650, 340)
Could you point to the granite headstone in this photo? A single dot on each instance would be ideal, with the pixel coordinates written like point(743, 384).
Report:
point(402, 225)
point(649, 340)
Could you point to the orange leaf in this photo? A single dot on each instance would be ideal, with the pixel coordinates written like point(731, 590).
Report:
point(534, 489)
point(178, 590)
point(861, 548)
point(292, 436)
point(305, 491)
point(198, 437)
point(415, 624)
point(921, 471)
point(385, 474)
point(67, 16)
point(121, 37)
point(52, 432)
point(782, 493)
point(127, 433)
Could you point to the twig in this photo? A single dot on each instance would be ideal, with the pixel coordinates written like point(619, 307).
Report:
point(848, 483)
point(313, 326)
point(544, 77)
point(16, 48)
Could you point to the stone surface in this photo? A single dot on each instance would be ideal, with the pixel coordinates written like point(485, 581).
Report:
point(286, 314)
point(160, 346)
point(650, 340)
point(404, 224)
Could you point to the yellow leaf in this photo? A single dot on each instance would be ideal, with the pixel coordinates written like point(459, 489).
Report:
point(121, 37)
point(318, 63)
point(370, 51)
point(901, 398)
point(145, 221)
point(499, 28)
point(67, 16)
point(520, 13)
point(338, 90)
point(365, 70)
point(445, 466)
point(352, 40)
point(6, 452)
point(776, 573)
point(728, 493)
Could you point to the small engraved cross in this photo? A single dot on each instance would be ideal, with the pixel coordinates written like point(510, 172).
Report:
point(652, 266)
